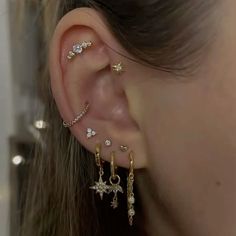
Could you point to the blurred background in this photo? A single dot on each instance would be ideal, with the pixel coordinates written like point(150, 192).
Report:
point(20, 109)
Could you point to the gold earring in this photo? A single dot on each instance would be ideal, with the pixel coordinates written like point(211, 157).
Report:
point(118, 68)
point(100, 186)
point(124, 148)
point(78, 117)
point(115, 182)
point(130, 190)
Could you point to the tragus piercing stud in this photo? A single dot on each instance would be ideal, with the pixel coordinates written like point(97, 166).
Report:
point(90, 133)
point(78, 117)
point(118, 68)
point(78, 49)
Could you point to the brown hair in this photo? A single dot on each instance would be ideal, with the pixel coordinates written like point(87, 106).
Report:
point(166, 34)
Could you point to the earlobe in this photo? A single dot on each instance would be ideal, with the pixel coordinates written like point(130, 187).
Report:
point(87, 80)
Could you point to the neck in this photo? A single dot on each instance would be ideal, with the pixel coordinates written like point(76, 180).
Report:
point(158, 219)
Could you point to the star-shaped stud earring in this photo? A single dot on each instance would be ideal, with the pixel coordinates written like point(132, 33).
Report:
point(100, 187)
point(118, 68)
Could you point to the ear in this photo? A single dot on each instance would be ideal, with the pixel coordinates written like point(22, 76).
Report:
point(88, 77)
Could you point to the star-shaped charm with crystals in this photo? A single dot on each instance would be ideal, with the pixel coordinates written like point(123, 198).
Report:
point(115, 188)
point(100, 187)
point(118, 68)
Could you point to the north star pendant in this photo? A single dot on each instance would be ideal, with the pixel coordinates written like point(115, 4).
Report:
point(100, 187)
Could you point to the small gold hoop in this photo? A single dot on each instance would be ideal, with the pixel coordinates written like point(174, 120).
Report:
point(131, 157)
point(98, 155)
point(116, 177)
point(113, 168)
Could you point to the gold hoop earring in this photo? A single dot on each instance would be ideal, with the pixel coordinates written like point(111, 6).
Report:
point(130, 190)
point(115, 182)
point(100, 186)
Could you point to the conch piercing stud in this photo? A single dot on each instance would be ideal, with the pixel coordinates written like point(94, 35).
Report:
point(118, 68)
point(78, 49)
point(90, 133)
point(78, 117)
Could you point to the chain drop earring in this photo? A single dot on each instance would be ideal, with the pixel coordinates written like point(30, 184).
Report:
point(130, 190)
point(100, 186)
point(115, 182)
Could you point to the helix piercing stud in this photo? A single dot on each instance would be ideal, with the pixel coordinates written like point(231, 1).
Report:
point(78, 49)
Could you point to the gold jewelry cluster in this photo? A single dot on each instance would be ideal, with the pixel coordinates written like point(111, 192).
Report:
point(101, 187)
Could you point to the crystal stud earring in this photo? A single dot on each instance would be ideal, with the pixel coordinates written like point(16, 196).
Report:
point(90, 133)
point(108, 143)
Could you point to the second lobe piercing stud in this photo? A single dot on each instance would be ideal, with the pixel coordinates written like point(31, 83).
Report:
point(124, 148)
point(108, 142)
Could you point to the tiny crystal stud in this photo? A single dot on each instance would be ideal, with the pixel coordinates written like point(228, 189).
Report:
point(108, 142)
point(78, 49)
point(90, 133)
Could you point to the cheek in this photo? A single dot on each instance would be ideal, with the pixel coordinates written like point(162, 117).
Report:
point(191, 142)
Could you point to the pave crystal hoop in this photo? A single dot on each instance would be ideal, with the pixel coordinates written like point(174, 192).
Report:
point(78, 118)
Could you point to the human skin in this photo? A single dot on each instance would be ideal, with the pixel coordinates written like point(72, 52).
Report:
point(182, 129)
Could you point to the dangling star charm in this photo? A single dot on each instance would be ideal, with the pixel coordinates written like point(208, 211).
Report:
point(115, 188)
point(100, 187)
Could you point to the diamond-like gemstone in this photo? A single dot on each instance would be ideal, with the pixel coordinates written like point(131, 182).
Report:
point(108, 143)
point(84, 45)
point(77, 49)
